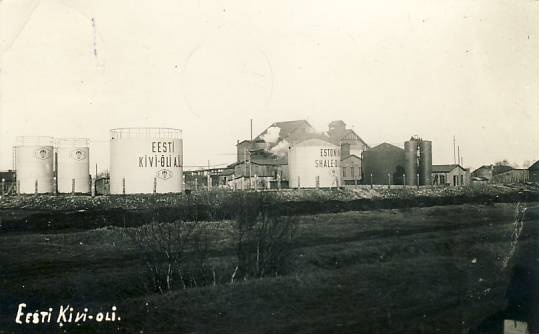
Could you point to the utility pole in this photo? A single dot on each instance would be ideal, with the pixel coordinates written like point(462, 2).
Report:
point(250, 171)
point(458, 177)
point(244, 162)
point(454, 153)
point(208, 176)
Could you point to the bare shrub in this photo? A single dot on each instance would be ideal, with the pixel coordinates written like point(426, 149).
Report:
point(264, 239)
point(175, 254)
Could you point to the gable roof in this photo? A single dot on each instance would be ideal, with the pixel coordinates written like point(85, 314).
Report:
point(482, 167)
point(243, 141)
point(337, 136)
point(534, 166)
point(289, 129)
point(351, 156)
point(445, 168)
point(498, 169)
point(385, 147)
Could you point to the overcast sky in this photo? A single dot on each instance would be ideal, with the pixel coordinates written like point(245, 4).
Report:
point(389, 69)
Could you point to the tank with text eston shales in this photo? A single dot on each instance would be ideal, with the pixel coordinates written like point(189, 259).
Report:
point(314, 163)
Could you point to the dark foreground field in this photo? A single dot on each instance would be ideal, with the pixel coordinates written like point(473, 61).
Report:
point(434, 269)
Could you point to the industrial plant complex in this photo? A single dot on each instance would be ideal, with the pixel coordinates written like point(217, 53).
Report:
point(290, 154)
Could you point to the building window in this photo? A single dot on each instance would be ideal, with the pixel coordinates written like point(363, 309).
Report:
point(442, 180)
point(344, 171)
point(352, 171)
point(462, 180)
point(455, 180)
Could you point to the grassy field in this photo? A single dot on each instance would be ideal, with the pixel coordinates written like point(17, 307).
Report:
point(417, 269)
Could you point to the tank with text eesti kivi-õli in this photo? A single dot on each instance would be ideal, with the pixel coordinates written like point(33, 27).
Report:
point(146, 160)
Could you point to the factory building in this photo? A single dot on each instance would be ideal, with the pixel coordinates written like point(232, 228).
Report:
point(533, 171)
point(267, 155)
point(209, 178)
point(270, 166)
point(450, 175)
point(274, 140)
point(351, 169)
point(349, 141)
point(102, 183)
point(501, 174)
point(8, 182)
point(389, 164)
point(514, 175)
point(383, 164)
point(484, 172)
point(260, 172)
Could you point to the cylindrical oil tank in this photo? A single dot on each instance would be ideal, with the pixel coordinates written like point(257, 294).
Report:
point(410, 161)
point(425, 162)
point(146, 160)
point(34, 164)
point(72, 165)
point(314, 163)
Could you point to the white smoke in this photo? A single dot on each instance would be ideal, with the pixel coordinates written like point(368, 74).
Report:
point(272, 135)
point(280, 149)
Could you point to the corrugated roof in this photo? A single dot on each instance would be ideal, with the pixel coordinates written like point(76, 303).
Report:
point(270, 160)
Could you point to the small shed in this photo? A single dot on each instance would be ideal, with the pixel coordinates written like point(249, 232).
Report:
point(450, 175)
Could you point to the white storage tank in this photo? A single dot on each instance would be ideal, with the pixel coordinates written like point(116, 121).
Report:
point(314, 163)
point(146, 160)
point(72, 165)
point(34, 164)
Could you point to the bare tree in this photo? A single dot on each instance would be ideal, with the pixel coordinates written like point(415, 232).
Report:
point(264, 239)
point(175, 254)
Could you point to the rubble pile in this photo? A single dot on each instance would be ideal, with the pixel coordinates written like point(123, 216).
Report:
point(218, 197)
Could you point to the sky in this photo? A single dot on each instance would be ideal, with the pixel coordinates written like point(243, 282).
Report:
point(388, 69)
